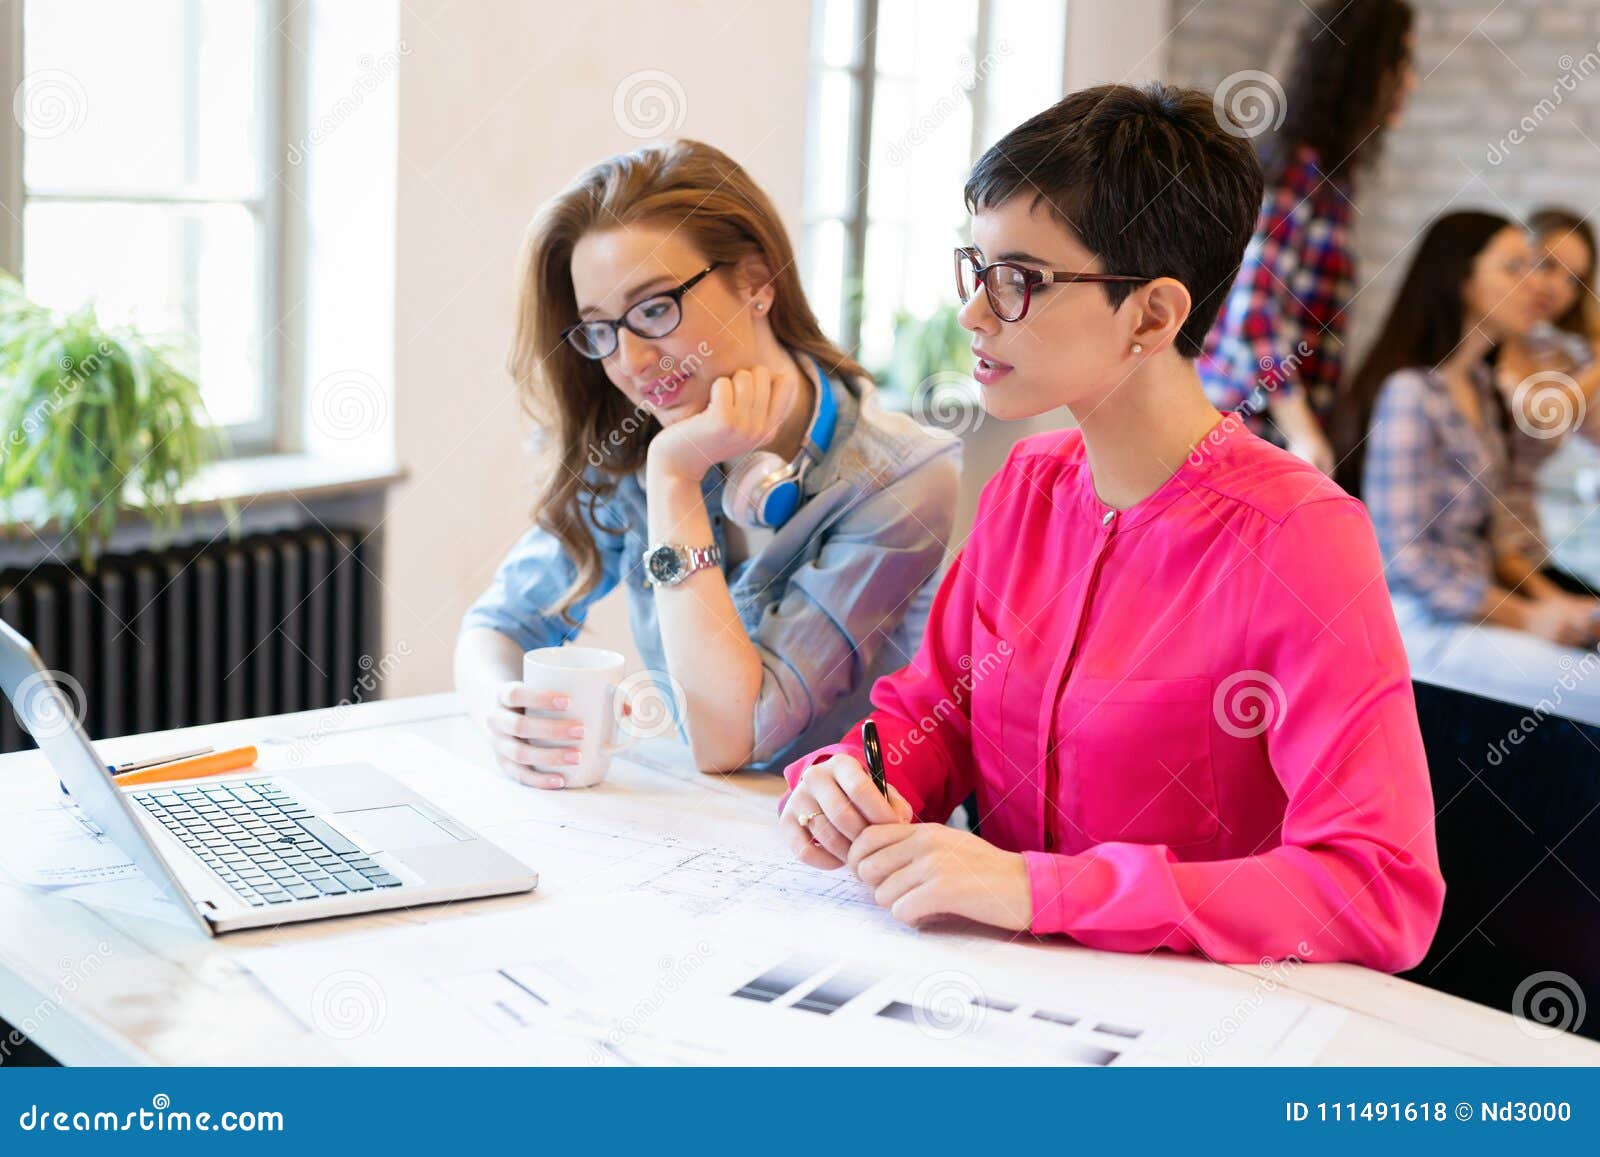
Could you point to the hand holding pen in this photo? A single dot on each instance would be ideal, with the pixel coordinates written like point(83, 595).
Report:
point(837, 799)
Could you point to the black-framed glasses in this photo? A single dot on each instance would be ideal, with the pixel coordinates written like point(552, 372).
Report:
point(1010, 286)
point(655, 316)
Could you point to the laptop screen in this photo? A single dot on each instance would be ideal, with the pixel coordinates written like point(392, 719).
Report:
point(46, 713)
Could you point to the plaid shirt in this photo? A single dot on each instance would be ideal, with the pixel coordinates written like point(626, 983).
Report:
point(1432, 484)
point(1282, 327)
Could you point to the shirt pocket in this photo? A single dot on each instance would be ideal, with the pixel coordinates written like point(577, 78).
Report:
point(984, 669)
point(1141, 760)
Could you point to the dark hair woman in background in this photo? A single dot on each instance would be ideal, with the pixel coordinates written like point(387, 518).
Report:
point(1278, 344)
point(1424, 430)
point(1550, 377)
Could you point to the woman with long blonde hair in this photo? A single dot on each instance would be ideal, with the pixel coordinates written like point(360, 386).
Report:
point(778, 534)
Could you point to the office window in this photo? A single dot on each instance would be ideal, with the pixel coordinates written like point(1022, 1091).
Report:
point(905, 94)
point(147, 136)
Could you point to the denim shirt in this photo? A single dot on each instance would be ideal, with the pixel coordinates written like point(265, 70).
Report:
point(837, 597)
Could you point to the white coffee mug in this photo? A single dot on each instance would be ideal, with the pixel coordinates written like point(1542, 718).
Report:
point(591, 678)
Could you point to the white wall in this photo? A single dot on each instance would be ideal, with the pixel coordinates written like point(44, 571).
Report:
point(1116, 41)
point(501, 105)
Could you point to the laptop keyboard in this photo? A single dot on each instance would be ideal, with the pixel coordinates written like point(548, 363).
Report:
point(263, 842)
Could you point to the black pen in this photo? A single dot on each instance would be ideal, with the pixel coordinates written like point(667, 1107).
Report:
point(874, 753)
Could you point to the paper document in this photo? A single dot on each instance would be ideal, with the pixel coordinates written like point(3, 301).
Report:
point(632, 981)
point(54, 844)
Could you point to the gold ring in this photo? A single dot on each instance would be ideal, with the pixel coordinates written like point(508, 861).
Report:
point(805, 820)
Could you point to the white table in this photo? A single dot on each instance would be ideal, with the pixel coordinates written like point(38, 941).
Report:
point(107, 987)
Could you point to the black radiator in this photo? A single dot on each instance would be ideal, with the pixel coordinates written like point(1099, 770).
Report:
point(200, 634)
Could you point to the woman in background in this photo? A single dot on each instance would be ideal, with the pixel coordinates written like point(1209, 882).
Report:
point(1423, 430)
point(778, 535)
point(1550, 377)
point(1278, 343)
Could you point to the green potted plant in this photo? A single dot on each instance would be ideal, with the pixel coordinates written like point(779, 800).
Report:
point(93, 421)
point(931, 368)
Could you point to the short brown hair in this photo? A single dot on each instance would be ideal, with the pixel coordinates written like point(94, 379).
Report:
point(1147, 179)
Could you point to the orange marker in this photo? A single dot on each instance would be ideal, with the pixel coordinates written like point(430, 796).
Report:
point(217, 763)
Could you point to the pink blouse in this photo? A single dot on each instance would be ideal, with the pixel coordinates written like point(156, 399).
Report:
point(1193, 717)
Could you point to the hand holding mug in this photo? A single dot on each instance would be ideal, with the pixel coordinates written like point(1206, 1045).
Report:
point(537, 748)
point(560, 726)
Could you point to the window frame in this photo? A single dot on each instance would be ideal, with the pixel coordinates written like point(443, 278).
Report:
point(862, 72)
point(277, 207)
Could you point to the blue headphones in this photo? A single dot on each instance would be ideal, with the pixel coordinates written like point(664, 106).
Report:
point(763, 491)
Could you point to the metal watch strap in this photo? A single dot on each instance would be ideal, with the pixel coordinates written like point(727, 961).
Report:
point(700, 558)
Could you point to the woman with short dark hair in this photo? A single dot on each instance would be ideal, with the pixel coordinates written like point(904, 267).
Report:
point(1164, 661)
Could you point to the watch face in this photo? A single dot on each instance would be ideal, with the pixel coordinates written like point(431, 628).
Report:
point(663, 565)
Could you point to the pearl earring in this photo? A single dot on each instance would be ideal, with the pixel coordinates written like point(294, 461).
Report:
point(1137, 348)
point(760, 306)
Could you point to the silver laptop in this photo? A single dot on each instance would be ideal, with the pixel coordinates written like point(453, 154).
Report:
point(257, 849)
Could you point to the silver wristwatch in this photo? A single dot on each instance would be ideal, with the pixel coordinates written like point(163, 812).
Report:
point(666, 565)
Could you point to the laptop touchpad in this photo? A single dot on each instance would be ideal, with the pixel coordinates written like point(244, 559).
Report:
point(381, 829)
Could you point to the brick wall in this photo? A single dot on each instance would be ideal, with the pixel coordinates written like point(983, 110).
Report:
point(1484, 69)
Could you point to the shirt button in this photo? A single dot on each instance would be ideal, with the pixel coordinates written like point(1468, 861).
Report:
point(1107, 518)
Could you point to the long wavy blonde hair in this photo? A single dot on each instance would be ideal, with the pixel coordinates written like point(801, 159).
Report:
point(596, 433)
